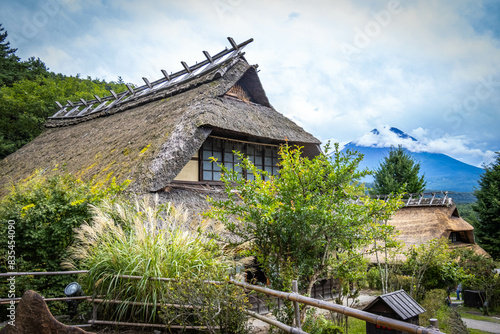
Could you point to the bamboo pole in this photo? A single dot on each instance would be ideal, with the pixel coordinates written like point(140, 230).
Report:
point(276, 323)
point(40, 273)
point(121, 323)
point(350, 312)
point(295, 288)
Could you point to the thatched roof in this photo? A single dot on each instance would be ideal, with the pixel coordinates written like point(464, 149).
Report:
point(418, 224)
point(148, 138)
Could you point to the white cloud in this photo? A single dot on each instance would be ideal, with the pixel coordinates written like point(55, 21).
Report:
point(454, 146)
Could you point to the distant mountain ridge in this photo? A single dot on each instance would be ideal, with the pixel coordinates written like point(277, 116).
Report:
point(442, 172)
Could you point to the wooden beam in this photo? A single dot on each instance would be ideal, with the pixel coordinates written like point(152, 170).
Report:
point(84, 102)
point(130, 89)
point(147, 82)
point(113, 93)
point(186, 67)
point(209, 58)
point(166, 75)
point(98, 98)
point(70, 103)
point(59, 105)
point(233, 43)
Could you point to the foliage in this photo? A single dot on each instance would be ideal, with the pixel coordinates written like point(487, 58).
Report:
point(431, 266)
point(449, 320)
point(319, 324)
point(307, 221)
point(481, 276)
point(148, 239)
point(487, 227)
point(398, 172)
point(10, 67)
point(28, 92)
point(45, 211)
point(25, 106)
point(467, 213)
point(374, 279)
point(218, 307)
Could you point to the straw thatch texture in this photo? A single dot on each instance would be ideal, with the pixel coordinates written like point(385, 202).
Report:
point(418, 225)
point(150, 139)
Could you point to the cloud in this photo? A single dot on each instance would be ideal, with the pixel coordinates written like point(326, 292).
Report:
point(455, 146)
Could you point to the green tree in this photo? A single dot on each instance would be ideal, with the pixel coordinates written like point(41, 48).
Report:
point(487, 226)
point(306, 222)
point(25, 106)
point(398, 172)
point(481, 276)
point(10, 66)
point(44, 211)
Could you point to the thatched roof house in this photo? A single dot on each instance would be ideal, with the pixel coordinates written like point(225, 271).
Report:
point(432, 216)
point(160, 135)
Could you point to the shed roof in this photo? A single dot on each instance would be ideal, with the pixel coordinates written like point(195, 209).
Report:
point(150, 135)
point(400, 302)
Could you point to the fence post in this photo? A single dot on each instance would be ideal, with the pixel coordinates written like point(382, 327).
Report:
point(295, 288)
point(94, 306)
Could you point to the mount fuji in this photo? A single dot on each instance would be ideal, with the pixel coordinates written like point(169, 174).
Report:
point(442, 172)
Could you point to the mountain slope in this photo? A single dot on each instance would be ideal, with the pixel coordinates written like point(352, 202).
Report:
point(441, 171)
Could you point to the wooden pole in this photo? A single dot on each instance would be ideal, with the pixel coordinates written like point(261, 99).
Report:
point(295, 288)
point(348, 311)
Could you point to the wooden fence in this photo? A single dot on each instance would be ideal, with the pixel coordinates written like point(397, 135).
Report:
point(291, 296)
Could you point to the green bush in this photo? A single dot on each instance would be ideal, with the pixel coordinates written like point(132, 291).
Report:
point(44, 211)
point(449, 320)
point(373, 278)
point(147, 239)
point(318, 324)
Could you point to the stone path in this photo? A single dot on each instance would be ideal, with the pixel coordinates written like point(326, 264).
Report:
point(490, 327)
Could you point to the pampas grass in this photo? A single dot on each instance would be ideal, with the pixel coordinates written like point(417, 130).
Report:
point(142, 238)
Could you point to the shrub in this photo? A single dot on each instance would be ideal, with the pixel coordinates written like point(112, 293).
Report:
point(45, 210)
point(449, 320)
point(373, 278)
point(144, 238)
point(318, 324)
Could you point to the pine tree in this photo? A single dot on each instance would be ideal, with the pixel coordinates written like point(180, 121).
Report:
point(11, 69)
point(487, 228)
point(398, 172)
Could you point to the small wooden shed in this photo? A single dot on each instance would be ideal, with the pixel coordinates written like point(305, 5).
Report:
point(395, 305)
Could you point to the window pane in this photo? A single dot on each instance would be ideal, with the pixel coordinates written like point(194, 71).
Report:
point(229, 165)
point(275, 161)
point(216, 166)
point(237, 168)
point(268, 161)
point(268, 152)
point(207, 165)
point(258, 161)
point(269, 170)
point(250, 150)
point(251, 158)
point(218, 155)
point(250, 176)
point(216, 176)
point(275, 171)
point(228, 157)
point(207, 155)
point(207, 175)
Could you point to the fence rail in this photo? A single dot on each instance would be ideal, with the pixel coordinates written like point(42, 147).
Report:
point(291, 296)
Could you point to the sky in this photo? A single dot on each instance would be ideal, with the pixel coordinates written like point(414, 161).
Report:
point(338, 68)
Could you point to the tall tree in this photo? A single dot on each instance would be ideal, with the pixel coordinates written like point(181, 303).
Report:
point(488, 209)
point(10, 66)
point(398, 172)
point(308, 221)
